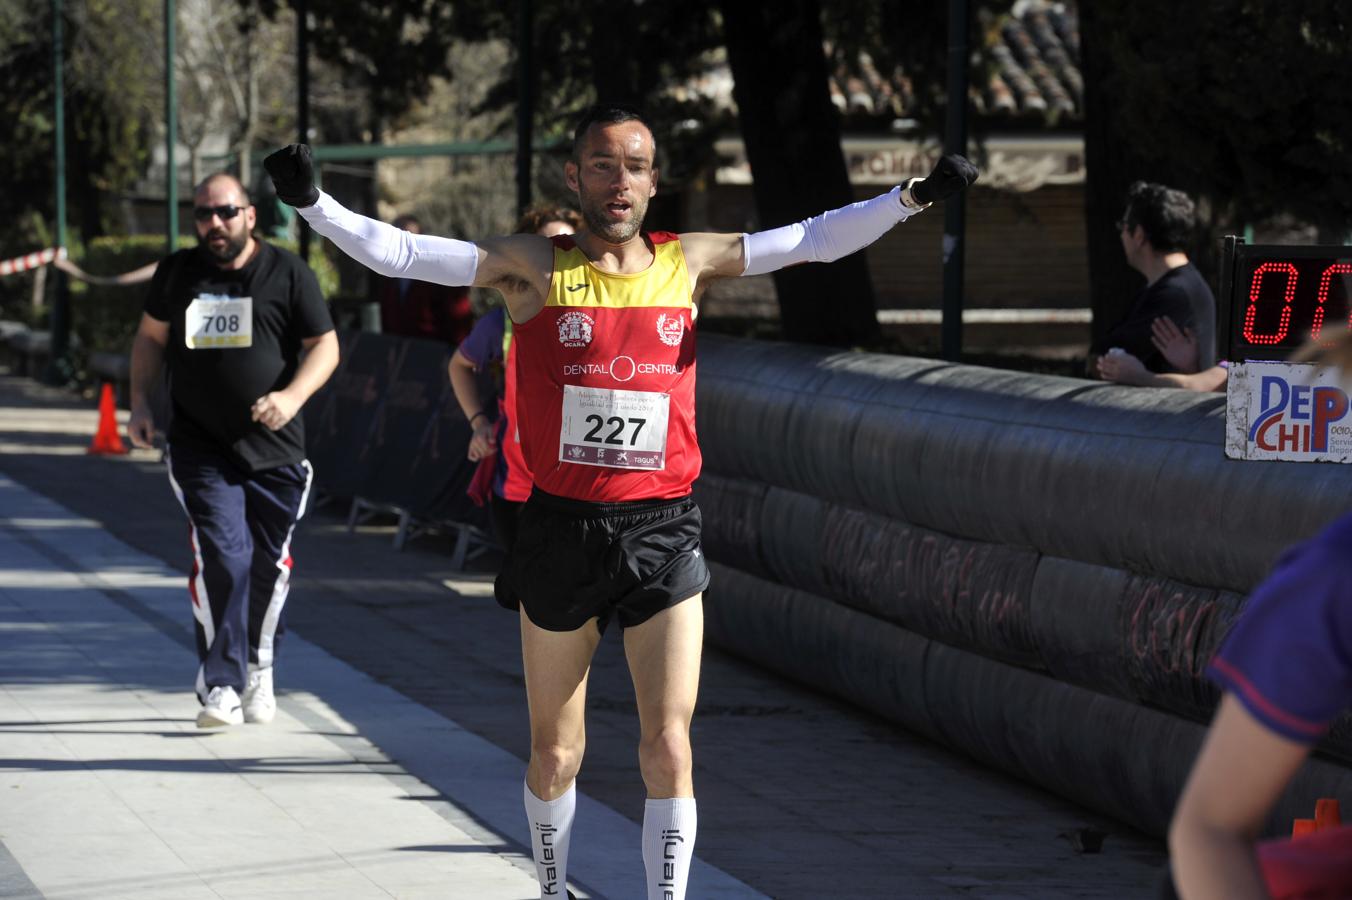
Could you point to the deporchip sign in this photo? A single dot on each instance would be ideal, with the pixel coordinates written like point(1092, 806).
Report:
point(1288, 411)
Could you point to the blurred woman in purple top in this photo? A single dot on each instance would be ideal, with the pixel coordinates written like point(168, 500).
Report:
point(1286, 668)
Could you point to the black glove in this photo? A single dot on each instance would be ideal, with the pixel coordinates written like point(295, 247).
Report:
point(293, 174)
point(951, 174)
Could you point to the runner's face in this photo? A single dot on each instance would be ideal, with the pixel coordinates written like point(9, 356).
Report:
point(614, 179)
point(224, 239)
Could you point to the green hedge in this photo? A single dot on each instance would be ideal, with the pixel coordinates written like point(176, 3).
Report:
point(104, 317)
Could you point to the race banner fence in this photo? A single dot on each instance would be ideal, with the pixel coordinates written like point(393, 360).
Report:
point(31, 260)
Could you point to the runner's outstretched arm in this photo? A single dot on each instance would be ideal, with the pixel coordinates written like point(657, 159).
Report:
point(827, 237)
point(502, 262)
point(378, 246)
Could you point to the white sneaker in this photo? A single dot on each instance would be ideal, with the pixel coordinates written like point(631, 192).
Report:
point(222, 708)
point(260, 705)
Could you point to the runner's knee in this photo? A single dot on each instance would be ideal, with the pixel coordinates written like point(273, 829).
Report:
point(556, 764)
point(665, 757)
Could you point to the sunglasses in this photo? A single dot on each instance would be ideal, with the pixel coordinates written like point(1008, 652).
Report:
point(227, 212)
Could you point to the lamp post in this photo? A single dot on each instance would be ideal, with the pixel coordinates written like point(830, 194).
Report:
point(170, 130)
point(303, 105)
point(58, 368)
point(955, 208)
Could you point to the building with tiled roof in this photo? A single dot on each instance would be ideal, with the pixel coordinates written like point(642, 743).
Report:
point(1025, 220)
point(1030, 53)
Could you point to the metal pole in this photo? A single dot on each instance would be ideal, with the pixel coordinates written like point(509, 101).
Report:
point(170, 129)
point(303, 103)
point(59, 322)
point(60, 130)
point(955, 211)
point(525, 101)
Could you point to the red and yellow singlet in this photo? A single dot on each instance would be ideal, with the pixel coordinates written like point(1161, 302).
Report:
point(605, 387)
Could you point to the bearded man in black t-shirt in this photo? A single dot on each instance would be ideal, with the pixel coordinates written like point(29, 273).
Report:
point(247, 338)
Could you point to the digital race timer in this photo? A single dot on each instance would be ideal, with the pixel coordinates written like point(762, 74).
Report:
point(1274, 298)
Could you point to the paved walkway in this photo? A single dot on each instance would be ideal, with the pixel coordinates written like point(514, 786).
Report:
point(394, 766)
point(109, 790)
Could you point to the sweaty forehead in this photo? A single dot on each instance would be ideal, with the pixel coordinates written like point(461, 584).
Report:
point(630, 139)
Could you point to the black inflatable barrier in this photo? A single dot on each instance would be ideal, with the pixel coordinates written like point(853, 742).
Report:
point(966, 593)
point(1125, 760)
point(791, 538)
point(732, 521)
point(1138, 637)
point(1129, 478)
point(821, 644)
point(1141, 638)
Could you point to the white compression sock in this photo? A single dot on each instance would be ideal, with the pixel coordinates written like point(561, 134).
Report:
point(668, 845)
point(551, 822)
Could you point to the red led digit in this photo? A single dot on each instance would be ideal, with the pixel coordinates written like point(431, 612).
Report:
point(1252, 313)
point(1325, 281)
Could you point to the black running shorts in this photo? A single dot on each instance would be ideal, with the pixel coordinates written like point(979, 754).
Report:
point(574, 559)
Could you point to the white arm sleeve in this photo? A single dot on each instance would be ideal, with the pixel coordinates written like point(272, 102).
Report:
point(827, 237)
point(392, 251)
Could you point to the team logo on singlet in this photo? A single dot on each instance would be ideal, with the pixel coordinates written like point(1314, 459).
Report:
point(670, 329)
point(575, 329)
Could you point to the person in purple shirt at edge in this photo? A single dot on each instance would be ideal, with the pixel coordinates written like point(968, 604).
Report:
point(1286, 669)
point(501, 479)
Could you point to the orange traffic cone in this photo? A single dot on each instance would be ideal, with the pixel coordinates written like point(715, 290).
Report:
point(1326, 814)
point(1302, 827)
point(106, 439)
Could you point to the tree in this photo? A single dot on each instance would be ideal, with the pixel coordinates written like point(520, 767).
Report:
point(792, 137)
point(1243, 103)
point(112, 101)
point(1111, 164)
point(388, 51)
point(630, 51)
point(233, 70)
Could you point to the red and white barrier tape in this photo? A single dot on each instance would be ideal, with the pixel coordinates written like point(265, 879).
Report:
point(31, 261)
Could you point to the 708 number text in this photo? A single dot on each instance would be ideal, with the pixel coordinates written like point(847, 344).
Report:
point(223, 324)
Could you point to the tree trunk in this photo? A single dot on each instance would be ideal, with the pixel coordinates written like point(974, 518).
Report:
point(249, 125)
point(792, 137)
point(195, 169)
point(1110, 169)
point(619, 78)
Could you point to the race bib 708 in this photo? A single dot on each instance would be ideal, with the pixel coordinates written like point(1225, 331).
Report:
point(213, 321)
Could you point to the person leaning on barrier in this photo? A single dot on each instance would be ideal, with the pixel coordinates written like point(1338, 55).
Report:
point(247, 339)
point(1286, 671)
point(503, 478)
point(603, 326)
point(1155, 227)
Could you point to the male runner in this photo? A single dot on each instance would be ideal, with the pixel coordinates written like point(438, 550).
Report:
point(606, 398)
point(247, 338)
